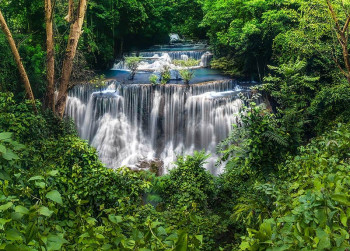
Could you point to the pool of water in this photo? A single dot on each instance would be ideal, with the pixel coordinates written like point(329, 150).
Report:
point(200, 75)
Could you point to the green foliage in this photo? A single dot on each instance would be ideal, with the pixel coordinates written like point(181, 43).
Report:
point(293, 91)
point(186, 63)
point(99, 82)
point(189, 184)
point(165, 75)
point(227, 65)
point(330, 106)
point(258, 145)
point(275, 193)
point(186, 75)
point(153, 79)
point(132, 63)
point(57, 195)
point(244, 31)
point(311, 213)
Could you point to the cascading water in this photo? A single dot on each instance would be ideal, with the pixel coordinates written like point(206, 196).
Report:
point(155, 60)
point(132, 123)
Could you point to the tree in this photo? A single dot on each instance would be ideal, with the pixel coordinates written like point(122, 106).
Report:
point(50, 57)
point(18, 60)
point(132, 63)
point(76, 19)
point(342, 34)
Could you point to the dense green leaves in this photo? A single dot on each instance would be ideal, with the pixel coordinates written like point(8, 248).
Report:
point(66, 199)
point(310, 213)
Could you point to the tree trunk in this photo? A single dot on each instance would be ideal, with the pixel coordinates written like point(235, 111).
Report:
point(342, 36)
point(18, 60)
point(50, 57)
point(74, 35)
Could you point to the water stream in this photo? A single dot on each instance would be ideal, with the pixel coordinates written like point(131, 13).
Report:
point(129, 123)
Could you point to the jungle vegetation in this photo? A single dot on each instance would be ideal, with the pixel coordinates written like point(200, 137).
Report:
point(286, 181)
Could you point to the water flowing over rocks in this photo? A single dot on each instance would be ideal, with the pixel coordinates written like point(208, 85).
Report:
point(131, 123)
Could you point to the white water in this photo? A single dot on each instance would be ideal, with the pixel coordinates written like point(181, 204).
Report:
point(156, 61)
point(131, 123)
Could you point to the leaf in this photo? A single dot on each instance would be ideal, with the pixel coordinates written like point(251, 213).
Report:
point(6, 206)
point(53, 173)
point(128, 243)
point(99, 236)
point(40, 184)
point(55, 242)
point(45, 211)
point(91, 221)
point(31, 230)
point(115, 219)
point(10, 155)
point(4, 221)
point(55, 196)
point(2, 149)
point(21, 210)
point(181, 244)
point(341, 198)
point(155, 224)
point(13, 235)
point(324, 240)
point(5, 135)
point(39, 177)
point(200, 238)
point(343, 219)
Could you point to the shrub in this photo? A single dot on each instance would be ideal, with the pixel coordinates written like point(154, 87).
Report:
point(132, 63)
point(153, 79)
point(186, 75)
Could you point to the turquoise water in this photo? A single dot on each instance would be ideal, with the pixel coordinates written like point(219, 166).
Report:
point(201, 75)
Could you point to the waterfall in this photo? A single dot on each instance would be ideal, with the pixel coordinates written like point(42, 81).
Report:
point(205, 59)
point(155, 60)
point(132, 123)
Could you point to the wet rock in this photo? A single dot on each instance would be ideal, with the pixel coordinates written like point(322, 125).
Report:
point(154, 166)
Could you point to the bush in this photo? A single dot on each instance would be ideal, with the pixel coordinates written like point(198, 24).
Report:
point(186, 75)
point(189, 183)
point(132, 63)
point(153, 79)
point(312, 202)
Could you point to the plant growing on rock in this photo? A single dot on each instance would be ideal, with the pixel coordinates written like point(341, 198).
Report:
point(165, 75)
point(132, 63)
point(191, 62)
point(153, 79)
point(99, 82)
point(186, 75)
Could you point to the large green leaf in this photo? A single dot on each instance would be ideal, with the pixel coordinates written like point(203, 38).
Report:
point(5, 135)
point(13, 235)
point(6, 206)
point(181, 244)
point(39, 177)
point(10, 155)
point(55, 242)
point(45, 211)
point(2, 149)
point(55, 196)
point(342, 199)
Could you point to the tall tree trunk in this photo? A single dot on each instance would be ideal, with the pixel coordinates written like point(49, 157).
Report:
point(18, 60)
point(74, 35)
point(50, 57)
point(342, 36)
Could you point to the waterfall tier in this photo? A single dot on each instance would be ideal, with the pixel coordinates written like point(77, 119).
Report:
point(155, 61)
point(131, 123)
